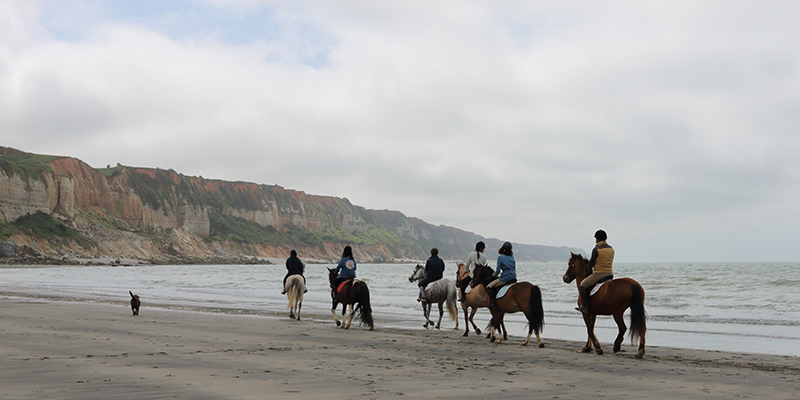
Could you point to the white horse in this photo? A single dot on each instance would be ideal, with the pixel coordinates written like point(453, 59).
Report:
point(295, 287)
point(439, 292)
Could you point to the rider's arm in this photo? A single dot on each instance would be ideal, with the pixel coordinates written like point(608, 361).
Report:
point(593, 260)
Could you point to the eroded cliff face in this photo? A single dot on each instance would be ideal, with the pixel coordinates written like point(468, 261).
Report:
point(84, 198)
point(159, 214)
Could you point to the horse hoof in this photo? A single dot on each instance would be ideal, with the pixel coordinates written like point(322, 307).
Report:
point(616, 349)
point(466, 334)
point(477, 332)
point(640, 354)
point(492, 340)
point(599, 352)
point(586, 350)
point(338, 323)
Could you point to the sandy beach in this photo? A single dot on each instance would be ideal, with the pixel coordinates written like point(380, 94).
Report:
point(73, 350)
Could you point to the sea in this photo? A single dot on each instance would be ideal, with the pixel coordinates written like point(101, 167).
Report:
point(738, 307)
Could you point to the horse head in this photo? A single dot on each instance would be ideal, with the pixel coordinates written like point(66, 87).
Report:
point(461, 271)
point(419, 273)
point(331, 275)
point(576, 267)
point(482, 273)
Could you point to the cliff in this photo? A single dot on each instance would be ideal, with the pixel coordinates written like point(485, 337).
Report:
point(60, 207)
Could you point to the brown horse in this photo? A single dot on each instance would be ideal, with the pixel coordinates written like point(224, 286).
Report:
point(475, 299)
point(613, 298)
point(522, 296)
point(353, 292)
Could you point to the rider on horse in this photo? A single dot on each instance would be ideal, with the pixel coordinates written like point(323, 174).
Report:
point(600, 264)
point(434, 269)
point(506, 272)
point(346, 269)
point(294, 267)
point(474, 259)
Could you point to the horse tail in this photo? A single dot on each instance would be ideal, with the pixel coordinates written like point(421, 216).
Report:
point(364, 309)
point(638, 315)
point(536, 309)
point(452, 299)
point(293, 291)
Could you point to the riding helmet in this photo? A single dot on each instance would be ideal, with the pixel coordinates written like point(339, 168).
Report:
point(600, 235)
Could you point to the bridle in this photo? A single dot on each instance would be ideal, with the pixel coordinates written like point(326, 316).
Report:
point(416, 272)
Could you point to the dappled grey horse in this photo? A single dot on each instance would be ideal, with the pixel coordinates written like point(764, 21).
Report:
point(439, 292)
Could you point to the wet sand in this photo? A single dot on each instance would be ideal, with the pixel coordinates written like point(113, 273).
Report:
point(74, 350)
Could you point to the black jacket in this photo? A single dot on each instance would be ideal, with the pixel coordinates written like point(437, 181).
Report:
point(434, 269)
point(294, 266)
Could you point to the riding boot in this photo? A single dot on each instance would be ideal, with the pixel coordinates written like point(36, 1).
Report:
point(584, 292)
point(421, 294)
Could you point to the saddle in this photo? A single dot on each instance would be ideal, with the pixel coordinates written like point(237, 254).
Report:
point(430, 285)
point(343, 284)
point(503, 290)
point(593, 289)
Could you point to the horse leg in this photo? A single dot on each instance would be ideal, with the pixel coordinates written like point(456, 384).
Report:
point(350, 318)
point(531, 329)
point(622, 328)
point(426, 311)
point(472, 321)
point(333, 311)
point(640, 352)
point(299, 305)
point(441, 313)
point(590, 319)
point(465, 307)
point(503, 335)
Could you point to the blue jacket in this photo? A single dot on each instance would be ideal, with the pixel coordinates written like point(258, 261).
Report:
point(346, 268)
point(506, 268)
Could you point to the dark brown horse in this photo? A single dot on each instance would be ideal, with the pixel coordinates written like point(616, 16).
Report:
point(613, 298)
point(522, 296)
point(353, 292)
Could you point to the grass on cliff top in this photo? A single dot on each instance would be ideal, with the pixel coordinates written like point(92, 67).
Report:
point(238, 230)
point(25, 165)
point(42, 225)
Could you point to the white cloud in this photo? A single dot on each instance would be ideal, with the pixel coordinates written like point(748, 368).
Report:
point(672, 126)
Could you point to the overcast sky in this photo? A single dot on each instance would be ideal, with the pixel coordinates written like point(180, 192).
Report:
point(674, 126)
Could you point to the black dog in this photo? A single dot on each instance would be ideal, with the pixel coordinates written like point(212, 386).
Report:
point(135, 303)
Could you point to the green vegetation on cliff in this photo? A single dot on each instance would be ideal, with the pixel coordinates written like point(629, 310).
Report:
point(45, 227)
point(25, 165)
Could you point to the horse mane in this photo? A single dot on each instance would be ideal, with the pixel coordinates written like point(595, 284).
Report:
point(480, 276)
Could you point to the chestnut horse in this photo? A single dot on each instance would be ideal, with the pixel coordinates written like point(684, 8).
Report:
point(352, 292)
point(475, 299)
point(613, 298)
point(522, 296)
